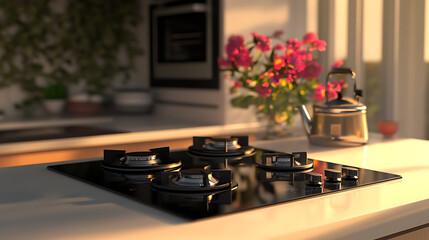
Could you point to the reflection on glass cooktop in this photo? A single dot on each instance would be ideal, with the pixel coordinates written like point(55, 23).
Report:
point(256, 187)
point(47, 133)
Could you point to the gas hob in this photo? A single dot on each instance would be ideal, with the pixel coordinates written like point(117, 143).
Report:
point(218, 176)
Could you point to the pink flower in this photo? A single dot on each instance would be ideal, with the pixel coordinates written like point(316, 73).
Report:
point(262, 42)
point(337, 64)
point(296, 59)
point(309, 38)
point(290, 74)
point(332, 92)
point(309, 57)
point(223, 63)
point(264, 90)
point(280, 47)
point(243, 58)
point(314, 42)
point(236, 53)
point(312, 70)
point(236, 85)
point(278, 33)
point(235, 42)
point(340, 83)
point(279, 63)
point(274, 77)
point(319, 45)
point(293, 44)
point(319, 94)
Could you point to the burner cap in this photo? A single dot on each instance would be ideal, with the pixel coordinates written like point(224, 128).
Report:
point(156, 159)
point(221, 147)
point(195, 181)
point(223, 144)
point(140, 158)
point(194, 178)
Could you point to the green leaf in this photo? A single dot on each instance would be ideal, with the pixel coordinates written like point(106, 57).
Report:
point(243, 101)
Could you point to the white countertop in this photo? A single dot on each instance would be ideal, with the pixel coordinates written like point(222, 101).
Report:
point(39, 204)
point(137, 128)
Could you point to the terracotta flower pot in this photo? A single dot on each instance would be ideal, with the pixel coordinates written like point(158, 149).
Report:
point(84, 109)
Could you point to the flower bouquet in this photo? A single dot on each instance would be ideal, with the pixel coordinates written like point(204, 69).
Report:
point(276, 78)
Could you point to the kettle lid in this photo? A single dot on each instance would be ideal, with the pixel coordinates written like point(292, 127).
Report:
point(340, 105)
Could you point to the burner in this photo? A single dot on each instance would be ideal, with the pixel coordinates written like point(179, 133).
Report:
point(157, 159)
point(195, 180)
point(223, 144)
point(140, 158)
point(284, 161)
point(221, 147)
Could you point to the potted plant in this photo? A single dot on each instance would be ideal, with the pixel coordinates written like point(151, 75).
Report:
point(273, 79)
point(54, 97)
point(90, 43)
point(107, 47)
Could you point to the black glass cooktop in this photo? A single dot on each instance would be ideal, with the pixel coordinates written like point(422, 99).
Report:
point(253, 186)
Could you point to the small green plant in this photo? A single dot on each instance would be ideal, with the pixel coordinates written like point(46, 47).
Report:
point(55, 91)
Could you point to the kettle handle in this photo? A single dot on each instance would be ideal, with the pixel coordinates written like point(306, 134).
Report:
point(335, 71)
point(346, 71)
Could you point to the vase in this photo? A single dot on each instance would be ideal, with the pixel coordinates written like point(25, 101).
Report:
point(272, 128)
point(54, 106)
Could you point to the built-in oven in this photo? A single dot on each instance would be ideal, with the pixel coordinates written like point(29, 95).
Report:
point(184, 43)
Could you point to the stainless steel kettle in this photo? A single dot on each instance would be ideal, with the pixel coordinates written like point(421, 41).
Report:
point(337, 122)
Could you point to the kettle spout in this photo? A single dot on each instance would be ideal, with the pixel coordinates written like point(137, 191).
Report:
point(306, 119)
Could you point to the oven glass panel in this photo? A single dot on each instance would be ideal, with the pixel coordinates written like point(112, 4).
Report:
point(182, 38)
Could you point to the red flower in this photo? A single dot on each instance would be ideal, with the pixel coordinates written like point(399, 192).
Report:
point(235, 42)
point(280, 47)
point(312, 70)
point(274, 77)
point(262, 42)
point(279, 63)
point(314, 42)
point(236, 85)
point(320, 92)
point(319, 45)
point(243, 58)
point(264, 90)
point(340, 83)
point(224, 63)
point(236, 53)
point(337, 64)
point(293, 44)
point(309, 38)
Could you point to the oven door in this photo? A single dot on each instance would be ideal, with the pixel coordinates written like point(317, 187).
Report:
point(184, 44)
